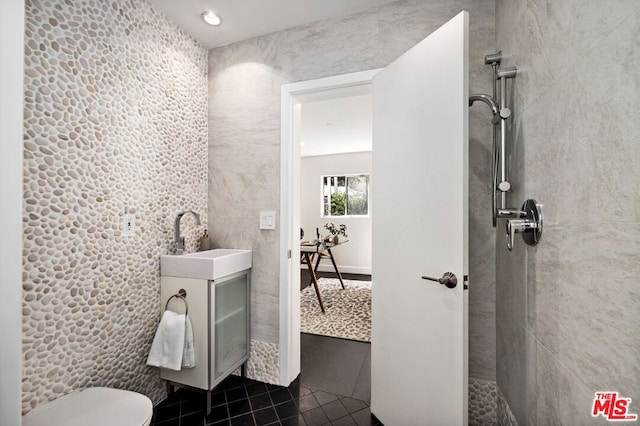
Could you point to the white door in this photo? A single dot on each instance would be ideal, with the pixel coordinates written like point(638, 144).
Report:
point(420, 163)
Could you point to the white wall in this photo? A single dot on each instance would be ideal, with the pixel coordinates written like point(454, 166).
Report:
point(355, 256)
point(11, 58)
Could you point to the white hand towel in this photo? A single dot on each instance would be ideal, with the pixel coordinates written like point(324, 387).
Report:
point(168, 344)
point(189, 354)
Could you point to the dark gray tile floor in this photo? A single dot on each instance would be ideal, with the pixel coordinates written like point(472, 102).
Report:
point(334, 388)
point(339, 366)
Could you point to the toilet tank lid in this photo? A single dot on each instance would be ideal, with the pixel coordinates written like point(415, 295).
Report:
point(93, 406)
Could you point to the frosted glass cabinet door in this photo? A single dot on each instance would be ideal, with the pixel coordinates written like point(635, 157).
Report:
point(231, 323)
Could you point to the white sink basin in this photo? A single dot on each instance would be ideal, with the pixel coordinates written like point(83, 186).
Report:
point(207, 265)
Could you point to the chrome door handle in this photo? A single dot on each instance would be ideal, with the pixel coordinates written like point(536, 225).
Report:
point(449, 279)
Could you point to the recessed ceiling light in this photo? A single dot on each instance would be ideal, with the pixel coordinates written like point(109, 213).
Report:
point(210, 17)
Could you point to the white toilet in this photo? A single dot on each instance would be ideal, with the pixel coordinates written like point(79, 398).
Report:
point(95, 407)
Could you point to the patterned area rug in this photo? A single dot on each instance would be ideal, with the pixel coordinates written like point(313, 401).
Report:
point(348, 311)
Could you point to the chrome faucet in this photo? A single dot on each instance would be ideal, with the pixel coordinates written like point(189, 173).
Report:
point(179, 239)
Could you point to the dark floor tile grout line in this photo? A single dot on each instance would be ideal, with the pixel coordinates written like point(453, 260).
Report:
point(355, 385)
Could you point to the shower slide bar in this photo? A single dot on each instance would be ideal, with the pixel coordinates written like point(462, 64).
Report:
point(528, 219)
point(500, 111)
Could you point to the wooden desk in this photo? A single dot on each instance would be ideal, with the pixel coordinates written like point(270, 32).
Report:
point(309, 251)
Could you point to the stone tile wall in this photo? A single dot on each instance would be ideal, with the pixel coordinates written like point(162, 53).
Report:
point(264, 363)
point(482, 402)
point(115, 121)
point(244, 140)
point(567, 309)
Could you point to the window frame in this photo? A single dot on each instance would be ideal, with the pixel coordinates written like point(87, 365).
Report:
point(323, 204)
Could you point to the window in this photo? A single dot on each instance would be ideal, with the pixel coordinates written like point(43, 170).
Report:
point(346, 195)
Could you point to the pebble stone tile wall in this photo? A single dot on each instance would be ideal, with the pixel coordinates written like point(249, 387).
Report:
point(482, 402)
point(264, 363)
point(115, 121)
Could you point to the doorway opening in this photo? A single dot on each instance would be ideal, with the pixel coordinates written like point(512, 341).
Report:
point(335, 262)
point(324, 180)
point(419, 357)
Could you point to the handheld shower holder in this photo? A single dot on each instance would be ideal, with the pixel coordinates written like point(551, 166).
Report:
point(527, 220)
point(530, 226)
point(500, 114)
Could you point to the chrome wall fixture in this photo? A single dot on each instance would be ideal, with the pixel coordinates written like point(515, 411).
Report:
point(529, 225)
point(528, 219)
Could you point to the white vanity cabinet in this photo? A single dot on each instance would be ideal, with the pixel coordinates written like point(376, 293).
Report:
point(220, 316)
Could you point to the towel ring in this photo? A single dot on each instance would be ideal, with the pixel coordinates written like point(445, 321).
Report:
point(182, 294)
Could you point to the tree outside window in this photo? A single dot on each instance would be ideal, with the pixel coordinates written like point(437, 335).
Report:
point(346, 195)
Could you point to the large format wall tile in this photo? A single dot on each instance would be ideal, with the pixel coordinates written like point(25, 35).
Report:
point(511, 362)
point(482, 339)
point(508, 14)
point(245, 80)
point(591, 149)
point(238, 192)
point(115, 121)
point(546, 38)
point(584, 304)
point(555, 395)
point(568, 29)
point(576, 147)
point(511, 294)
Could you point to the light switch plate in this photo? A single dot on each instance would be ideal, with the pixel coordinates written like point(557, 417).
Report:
point(268, 220)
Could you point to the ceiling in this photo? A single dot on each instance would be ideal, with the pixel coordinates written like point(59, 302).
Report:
point(244, 19)
point(338, 121)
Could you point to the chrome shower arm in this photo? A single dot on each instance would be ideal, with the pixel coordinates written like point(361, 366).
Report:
point(487, 100)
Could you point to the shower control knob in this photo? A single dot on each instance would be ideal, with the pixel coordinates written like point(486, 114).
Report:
point(504, 186)
point(505, 113)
